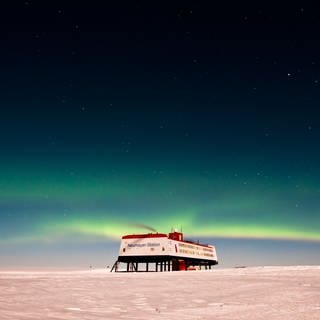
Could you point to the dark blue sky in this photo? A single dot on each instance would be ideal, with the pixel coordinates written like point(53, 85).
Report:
point(188, 113)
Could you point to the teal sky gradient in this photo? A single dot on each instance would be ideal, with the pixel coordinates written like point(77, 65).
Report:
point(199, 116)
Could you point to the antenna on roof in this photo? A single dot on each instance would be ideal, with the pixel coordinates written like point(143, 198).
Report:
point(143, 226)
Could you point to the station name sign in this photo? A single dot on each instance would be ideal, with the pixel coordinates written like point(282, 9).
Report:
point(141, 245)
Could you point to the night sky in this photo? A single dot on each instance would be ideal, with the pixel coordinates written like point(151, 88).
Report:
point(185, 114)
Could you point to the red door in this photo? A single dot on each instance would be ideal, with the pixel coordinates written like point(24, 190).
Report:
point(182, 265)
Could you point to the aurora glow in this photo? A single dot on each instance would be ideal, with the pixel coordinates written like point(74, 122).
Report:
point(104, 206)
point(50, 205)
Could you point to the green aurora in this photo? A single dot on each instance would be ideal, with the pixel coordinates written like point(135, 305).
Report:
point(54, 203)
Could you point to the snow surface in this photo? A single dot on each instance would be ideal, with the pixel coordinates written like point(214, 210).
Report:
point(240, 293)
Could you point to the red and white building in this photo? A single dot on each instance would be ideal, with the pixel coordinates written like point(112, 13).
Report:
point(162, 252)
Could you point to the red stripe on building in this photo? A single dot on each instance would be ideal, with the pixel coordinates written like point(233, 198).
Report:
point(147, 235)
